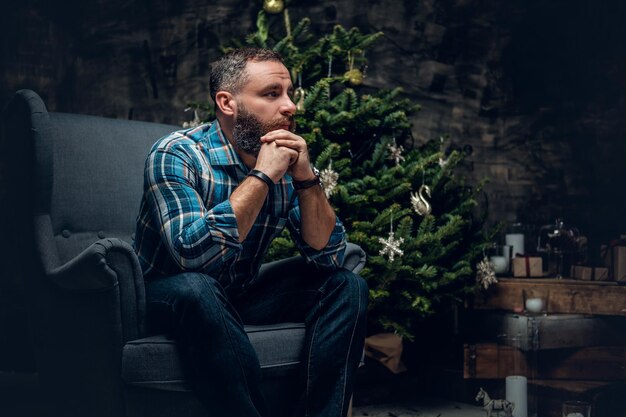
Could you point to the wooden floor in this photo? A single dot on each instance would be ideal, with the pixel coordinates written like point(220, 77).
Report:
point(16, 400)
point(396, 398)
point(421, 408)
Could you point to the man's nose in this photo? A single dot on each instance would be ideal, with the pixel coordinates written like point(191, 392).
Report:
point(288, 107)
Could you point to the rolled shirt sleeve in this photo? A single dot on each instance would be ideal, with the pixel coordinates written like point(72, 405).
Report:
point(332, 255)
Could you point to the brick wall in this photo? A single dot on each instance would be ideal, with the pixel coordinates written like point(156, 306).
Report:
point(535, 89)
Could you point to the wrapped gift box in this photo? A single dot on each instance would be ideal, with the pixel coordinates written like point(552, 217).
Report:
point(527, 266)
point(615, 261)
point(619, 263)
point(582, 272)
point(588, 273)
point(601, 274)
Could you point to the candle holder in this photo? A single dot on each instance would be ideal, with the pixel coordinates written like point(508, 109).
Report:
point(535, 301)
point(500, 258)
point(576, 409)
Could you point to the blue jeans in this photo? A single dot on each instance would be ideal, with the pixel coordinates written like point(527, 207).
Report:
point(207, 322)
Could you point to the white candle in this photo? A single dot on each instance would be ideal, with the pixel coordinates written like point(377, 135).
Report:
point(534, 305)
point(516, 393)
point(506, 251)
point(499, 263)
point(517, 241)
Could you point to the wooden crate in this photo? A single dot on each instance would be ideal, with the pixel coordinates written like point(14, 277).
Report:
point(596, 363)
point(576, 352)
point(539, 332)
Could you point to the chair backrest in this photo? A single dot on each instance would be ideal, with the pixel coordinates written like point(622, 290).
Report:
point(97, 174)
point(89, 174)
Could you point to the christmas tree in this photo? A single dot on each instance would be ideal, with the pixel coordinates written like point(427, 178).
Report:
point(407, 208)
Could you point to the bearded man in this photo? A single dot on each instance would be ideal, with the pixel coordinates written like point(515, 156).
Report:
point(214, 198)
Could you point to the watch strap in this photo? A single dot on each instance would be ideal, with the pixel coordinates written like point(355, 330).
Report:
point(302, 185)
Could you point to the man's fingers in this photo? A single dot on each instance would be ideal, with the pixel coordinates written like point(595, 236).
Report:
point(284, 138)
point(291, 144)
point(280, 133)
point(293, 156)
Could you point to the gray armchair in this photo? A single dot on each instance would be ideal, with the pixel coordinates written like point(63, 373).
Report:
point(75, 182)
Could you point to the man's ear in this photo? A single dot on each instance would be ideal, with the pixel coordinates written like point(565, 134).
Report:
point(226, 103)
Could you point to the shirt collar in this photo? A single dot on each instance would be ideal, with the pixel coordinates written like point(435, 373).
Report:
point(220, 150)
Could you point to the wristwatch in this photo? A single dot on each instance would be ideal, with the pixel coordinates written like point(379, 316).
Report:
point(302, 185)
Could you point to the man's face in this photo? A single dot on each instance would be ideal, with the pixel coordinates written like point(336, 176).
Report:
point(263, 104)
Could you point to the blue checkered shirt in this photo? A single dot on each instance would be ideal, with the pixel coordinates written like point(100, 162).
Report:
point(186, 222)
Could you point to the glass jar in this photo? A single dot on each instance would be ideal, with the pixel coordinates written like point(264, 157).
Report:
point(562, 245)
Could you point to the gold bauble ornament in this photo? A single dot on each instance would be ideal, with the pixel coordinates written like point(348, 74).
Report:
point(354, 76)
point(273, 6)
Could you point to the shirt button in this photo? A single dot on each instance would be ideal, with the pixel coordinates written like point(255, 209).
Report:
point(66, 233)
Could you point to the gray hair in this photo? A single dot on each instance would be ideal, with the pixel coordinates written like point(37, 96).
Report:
point(228, 72)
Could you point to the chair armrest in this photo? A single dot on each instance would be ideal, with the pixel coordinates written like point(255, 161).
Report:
point(96, 268)
point(354, 258)
point(91, 269)
point(108, 266)
point(86, 310)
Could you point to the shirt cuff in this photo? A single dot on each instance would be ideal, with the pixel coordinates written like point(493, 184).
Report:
point(332, 255)
point(224, 224)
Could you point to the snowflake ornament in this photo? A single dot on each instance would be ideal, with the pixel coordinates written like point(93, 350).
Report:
point(395, 152)
point(329, 178)
point(485, 274)
point(192, 123)
point(391, 245)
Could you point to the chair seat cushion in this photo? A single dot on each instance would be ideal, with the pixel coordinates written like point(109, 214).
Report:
point(154, 362)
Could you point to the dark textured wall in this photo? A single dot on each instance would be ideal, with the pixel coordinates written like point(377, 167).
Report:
point(536, 89)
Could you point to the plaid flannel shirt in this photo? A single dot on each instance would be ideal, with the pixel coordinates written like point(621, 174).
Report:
point(186, 222)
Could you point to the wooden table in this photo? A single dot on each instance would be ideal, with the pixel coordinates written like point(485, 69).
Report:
point(562, 295)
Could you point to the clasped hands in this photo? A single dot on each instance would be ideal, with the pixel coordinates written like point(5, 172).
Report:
point(283, 152)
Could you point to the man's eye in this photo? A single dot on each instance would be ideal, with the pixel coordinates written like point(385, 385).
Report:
point(272, 94)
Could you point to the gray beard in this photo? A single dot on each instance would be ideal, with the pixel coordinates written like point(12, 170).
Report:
point(247, 133)
point(248, 130)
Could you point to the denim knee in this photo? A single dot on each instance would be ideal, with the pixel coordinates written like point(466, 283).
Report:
point(192, 296)
point(353, 288)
